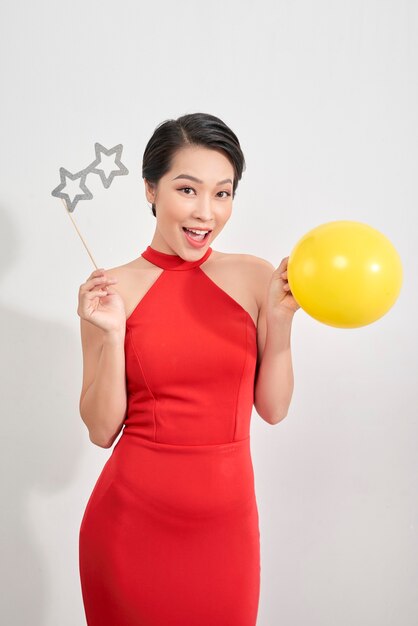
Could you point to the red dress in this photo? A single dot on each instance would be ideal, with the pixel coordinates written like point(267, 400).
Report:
point(170, 534)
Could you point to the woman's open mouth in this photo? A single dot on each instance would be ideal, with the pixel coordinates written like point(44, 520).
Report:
point(196, 238)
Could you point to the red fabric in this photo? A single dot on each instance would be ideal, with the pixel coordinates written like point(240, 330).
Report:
point(170, 533)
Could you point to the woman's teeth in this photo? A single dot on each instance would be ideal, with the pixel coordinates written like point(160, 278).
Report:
point(198, 235)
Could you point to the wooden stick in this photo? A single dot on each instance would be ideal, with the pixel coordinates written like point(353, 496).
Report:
point(81, 237)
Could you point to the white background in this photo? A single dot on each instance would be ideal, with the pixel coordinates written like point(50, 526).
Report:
point(323, 97)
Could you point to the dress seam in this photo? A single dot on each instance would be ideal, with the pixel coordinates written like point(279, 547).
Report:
point(240, 380)
point(145, 380)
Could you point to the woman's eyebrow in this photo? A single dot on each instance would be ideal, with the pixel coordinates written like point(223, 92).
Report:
point(196, 180)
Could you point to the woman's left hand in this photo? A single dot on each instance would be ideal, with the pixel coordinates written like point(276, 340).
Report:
point(280, 296)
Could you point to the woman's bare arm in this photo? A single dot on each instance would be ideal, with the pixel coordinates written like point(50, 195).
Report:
point(103, 399)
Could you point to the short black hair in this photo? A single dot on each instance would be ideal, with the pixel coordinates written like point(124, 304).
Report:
point(193, 129)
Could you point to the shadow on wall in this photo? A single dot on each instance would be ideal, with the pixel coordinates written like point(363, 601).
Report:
point(41, 448)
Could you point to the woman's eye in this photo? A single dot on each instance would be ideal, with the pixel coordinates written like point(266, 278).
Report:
point(187, 194)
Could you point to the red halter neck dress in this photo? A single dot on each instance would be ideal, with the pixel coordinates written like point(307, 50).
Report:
point(170, 533)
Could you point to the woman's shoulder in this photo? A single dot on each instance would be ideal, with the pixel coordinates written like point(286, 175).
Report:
point(257, 271)
point(257, 264)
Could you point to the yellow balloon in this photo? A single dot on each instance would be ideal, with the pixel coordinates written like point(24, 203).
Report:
point(345, 274)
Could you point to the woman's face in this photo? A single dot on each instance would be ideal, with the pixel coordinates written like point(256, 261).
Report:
point(182, 202)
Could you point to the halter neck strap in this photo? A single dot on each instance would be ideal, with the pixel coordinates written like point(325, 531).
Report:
point(172, 261)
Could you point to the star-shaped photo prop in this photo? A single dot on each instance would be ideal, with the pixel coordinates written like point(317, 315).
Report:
point(73, 187)
point(107, 164)
point(107, 173)
point(74, 193)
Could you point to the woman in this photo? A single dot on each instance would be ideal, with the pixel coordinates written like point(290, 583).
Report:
point(176, 356)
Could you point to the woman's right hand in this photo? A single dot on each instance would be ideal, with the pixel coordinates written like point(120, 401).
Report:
point(100, 304)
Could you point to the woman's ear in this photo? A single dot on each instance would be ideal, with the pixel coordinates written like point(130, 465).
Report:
point(149, 191)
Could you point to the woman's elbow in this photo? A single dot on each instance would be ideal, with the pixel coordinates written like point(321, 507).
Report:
point(99, 442)
point(103, 440)
point(275, 420)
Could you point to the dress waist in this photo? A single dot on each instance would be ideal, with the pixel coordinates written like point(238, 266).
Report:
point(218, 448)
point(182, 479)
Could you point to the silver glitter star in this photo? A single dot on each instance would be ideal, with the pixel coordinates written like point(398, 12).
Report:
point(85, 194)
point(93, 167)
